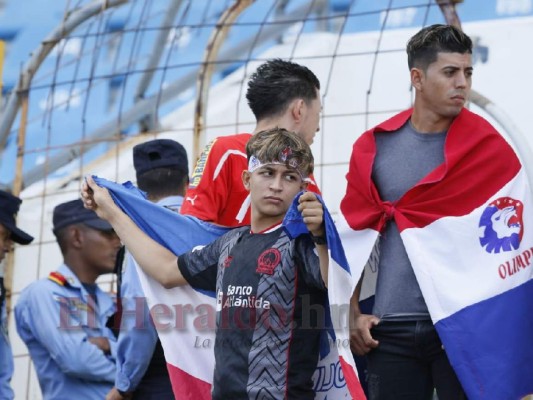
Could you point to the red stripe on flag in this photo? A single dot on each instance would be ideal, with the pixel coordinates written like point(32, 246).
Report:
point(186, 386)
point(478, 162)
point(352, 381)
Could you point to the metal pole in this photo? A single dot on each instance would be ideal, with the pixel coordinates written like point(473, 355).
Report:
point(450, 14)
point(17, 187)
point(515, 135)
point(160, 43)
point(2, 54)
point(205, 73)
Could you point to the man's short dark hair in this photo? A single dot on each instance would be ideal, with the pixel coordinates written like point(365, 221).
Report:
point(63, 236)
point(163, 182)
point(423, 47)
point(276, 83)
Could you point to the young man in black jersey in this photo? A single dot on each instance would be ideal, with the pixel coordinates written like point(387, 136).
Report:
point(263, 279)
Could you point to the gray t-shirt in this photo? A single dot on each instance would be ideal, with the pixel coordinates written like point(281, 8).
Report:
point(403, 158)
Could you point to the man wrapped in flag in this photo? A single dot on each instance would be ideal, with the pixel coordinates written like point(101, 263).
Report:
point(268, 284)
point(450, 203)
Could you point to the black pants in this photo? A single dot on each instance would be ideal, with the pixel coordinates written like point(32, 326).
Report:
point(410, 363)
point(154, 388)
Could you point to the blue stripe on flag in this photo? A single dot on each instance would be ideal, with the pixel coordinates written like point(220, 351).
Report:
point(295, 226)
point(178, 233)
point(484, 339)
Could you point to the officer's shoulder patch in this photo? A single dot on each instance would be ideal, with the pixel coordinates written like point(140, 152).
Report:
point(58, 278)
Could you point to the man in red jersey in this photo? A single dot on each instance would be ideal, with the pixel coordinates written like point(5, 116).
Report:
point(281, 94)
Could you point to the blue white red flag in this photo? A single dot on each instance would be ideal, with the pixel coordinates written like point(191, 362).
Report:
point(468, 231)
point(341, 284)
point(181, 315)
point(184, 317)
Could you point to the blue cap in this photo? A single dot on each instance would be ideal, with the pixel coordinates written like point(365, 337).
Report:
point(9, 207)
point(73, 212)
point(160, 153)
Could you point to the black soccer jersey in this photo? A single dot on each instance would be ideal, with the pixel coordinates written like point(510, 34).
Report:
point(270, 312)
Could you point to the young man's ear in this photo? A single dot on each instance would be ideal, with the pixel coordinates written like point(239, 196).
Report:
point(417, 75)
point(304, 185)
point(298, 109)
point(246, 179)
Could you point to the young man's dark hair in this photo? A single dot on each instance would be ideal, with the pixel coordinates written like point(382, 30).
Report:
point(423, 47)
point(279, 145)
point(277, 82)
point(163, 182)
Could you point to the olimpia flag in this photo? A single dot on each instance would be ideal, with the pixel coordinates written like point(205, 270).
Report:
point(184, 317)
point(468, 231)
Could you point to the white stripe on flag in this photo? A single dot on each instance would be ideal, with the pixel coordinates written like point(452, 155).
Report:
point(359, 247)
point(454, 270)
point(177, 313)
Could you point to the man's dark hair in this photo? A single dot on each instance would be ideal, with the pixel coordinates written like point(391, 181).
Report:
point(423, 47)
point(63, 236)
point(62, 240)
point(163, 182)
point(276, 83)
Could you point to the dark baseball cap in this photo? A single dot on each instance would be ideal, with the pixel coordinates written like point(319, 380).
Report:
point(73, 212)
point(159, 153)
point(9, 207)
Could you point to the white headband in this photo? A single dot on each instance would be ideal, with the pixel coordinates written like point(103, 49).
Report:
point(254, 164)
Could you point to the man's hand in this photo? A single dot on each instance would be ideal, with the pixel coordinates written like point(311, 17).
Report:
point(312, 213)
point(101, 342)
point(361, 341)
point(97, 199)
point(115, 395)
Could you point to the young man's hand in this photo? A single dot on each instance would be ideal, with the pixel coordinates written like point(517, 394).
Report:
point(115, 395)
point(101, 342)
point(312, 213)
point(97, 199)
point(361, 341)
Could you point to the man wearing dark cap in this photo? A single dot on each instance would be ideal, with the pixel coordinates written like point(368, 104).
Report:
point(162, 171)
point(62, 318)
point(9, 233)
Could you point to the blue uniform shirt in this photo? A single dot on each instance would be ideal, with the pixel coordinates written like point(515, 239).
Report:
point(55, 321)
point(6, 359)
point(138, 336)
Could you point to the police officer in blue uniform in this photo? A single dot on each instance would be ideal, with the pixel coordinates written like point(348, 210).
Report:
point(9, 233)
point(62, 318)
point(162, 171)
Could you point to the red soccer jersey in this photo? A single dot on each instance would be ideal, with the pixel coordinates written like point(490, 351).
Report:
point(216, 193)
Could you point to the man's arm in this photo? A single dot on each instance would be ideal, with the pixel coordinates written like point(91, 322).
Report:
point(6, 359)
point(138, 337)
point(157, 261)
point(62, 334)
point(361, 341)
